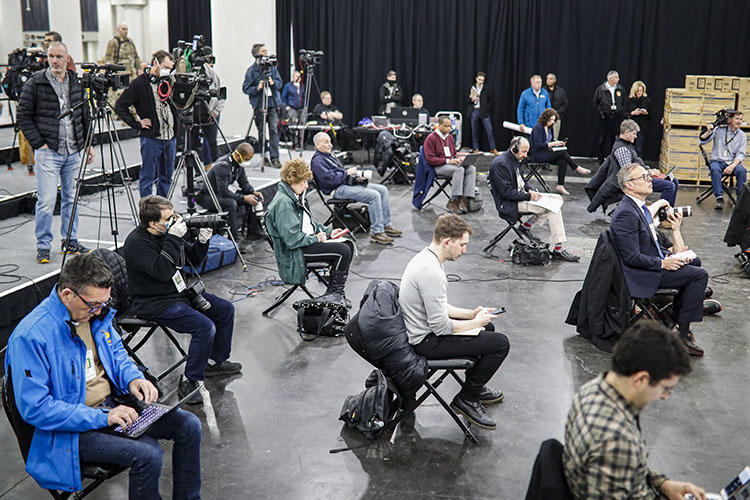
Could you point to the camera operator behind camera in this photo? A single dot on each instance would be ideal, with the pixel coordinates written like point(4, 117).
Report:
point(730, 148)
point(156, 122)
point(262, 78)
point(57, 144)
point(155, 252)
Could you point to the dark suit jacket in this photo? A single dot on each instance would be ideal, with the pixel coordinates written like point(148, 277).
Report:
point(485, 102)
point(504, 186)
point(632, 238)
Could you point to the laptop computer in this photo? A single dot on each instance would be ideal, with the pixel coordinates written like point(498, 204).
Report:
point(148, 415)
point(380, 121)
point(409, 116)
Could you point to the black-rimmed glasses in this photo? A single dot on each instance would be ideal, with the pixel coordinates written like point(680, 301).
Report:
point(92, 308)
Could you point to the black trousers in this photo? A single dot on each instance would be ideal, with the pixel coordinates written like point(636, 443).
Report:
point(235, 209)
point(608, 130)
point(336, 254)
point(691, 281)
point(209, 135)
point(562, 159)
point(488, 350)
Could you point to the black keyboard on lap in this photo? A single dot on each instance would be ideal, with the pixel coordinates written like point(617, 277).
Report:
point(148, 416)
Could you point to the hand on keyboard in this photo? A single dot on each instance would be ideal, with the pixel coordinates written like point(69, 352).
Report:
point(122, 415)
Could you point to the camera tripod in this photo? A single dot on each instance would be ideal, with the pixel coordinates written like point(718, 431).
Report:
point(102, 123)
point(263, 134)
point(189, 162)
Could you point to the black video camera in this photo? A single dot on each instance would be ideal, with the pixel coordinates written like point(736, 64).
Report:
point(356, 180)
point(310, 57)
point(267, 62)
point(198, 221)
point(195, 53)
point(100, 78)
point(722, 117)
point(22, 63)
point(187, 87)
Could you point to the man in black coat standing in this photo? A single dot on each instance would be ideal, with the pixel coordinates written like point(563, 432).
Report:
point(558, 98)
point(57, 144)
point(609, 103)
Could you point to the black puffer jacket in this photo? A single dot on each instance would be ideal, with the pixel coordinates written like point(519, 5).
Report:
point(38, 109)
point(378, 334)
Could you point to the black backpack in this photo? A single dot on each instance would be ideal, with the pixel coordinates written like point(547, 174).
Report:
point(372, 409)
point(316, 317)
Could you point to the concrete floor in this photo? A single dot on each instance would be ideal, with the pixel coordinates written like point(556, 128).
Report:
point(275, 423)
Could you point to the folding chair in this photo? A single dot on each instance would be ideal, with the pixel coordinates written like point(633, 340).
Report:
point(127, 323)
point(510, 225)
point(339, 209)
point(442, 182)
point(534, 172)
point(96, 472)
point(310, 267)
point(727, 181)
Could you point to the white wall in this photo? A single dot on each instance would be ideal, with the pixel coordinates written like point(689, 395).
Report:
point(236, 25)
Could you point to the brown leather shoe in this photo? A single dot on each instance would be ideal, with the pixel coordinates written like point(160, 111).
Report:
point(463, 205)
point(393, 232)
point(453, 207)
point(381, 238)
point(693, 349)
point(494, 152)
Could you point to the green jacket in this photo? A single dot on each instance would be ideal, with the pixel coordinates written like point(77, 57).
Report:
point(284, 226)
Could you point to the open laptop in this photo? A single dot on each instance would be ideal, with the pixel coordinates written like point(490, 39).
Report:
point(409, 116)
point(147, 416)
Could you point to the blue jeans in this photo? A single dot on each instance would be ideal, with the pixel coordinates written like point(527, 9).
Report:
point(143, 456)
point(211, 332)
point(717, 167)
point(53, 168)
point(273, 130)
point(376, 198)
point(157, 159)
point(475, 120)
point(667, 188)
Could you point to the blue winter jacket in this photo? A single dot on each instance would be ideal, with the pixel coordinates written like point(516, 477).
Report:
point(250, 87)
point(46, 359)
point(329, 172)
point(291, 96)
point(530, 107)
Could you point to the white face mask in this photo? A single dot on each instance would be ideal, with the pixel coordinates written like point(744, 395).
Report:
point(163, 72)
point(245, 164)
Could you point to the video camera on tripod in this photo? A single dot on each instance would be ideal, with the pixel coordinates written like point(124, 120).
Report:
point(193, 83)
point(310, 57)
point(100, 78)
point(22, 63)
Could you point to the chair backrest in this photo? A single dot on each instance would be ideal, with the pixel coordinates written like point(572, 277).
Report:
point(548, 476)
point(23, 431)
point(116, 263)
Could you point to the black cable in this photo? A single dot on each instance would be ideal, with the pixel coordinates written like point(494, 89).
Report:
point(12, 227)
point(24, 478)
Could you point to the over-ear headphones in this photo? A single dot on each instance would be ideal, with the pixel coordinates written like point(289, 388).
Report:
point(514, 145)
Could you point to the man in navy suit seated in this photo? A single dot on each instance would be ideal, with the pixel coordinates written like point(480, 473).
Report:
point(647, 265)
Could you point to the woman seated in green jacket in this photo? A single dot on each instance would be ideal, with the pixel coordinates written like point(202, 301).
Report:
point(298, 239)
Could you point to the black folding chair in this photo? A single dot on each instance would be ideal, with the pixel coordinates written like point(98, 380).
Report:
point(515, 226)
point(339, 211)
point(442, 183)
point(534, 171)
point(727, 181)
point(96, 472)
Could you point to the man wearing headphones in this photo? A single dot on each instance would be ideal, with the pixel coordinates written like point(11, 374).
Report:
point(260, 79)
point(156, 122)
point(227, 170)
point(513, 198)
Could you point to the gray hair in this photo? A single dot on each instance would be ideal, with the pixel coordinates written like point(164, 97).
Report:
point(625, 174)
point(628, 126)
point(317, 138)
point(612, 73)
point(58, 44)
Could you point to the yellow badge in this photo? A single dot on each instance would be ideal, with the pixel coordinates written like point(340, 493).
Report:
point(108, 337)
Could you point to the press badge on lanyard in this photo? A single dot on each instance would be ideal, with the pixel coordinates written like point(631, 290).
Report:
point(447, 151)
point(179, 283)
point(90, 367)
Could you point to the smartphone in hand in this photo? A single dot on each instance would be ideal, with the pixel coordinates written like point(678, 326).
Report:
point(497, 311)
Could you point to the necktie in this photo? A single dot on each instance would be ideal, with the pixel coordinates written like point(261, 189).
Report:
point(650, 221)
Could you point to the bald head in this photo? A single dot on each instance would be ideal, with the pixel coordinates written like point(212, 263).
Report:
point(122, 31)
point(245, 149)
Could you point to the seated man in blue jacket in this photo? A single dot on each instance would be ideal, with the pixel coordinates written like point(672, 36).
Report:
point(513, 198)
point(646, 265)
point(332, 177)
point(67, 364)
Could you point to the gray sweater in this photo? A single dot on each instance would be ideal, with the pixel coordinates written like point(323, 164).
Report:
point(423, 297)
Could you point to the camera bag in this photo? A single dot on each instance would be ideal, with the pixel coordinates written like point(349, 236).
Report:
point(221, 252)
point(319, 317)
point(353, 217)
point(529, 254)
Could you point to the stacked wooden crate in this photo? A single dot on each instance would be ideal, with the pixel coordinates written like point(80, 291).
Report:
point(687, 110)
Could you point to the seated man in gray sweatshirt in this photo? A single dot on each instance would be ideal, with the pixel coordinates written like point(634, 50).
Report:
point(438, 330)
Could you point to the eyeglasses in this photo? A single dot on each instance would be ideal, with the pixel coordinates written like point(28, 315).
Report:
point(645, 177)
point(92, 308)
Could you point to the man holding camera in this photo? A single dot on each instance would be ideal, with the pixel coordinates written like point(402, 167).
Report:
point(263, 79)
point(331, 176)
point(71, 377)
point(156, 122)
point(730, 148)
point(57, 144)
point(226, 171)
point(648, 266)
point(155, 253)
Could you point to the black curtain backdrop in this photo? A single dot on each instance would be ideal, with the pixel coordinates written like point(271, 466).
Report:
point(187, 18)
point(437, 46)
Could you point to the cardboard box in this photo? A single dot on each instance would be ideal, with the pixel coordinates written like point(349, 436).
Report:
point(718, 83)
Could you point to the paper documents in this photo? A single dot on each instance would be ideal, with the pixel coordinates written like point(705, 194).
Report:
point(551, 203)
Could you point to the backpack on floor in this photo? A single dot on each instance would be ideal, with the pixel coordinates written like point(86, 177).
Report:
point(316, 318)
point(370, 410)
point(529, 254)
